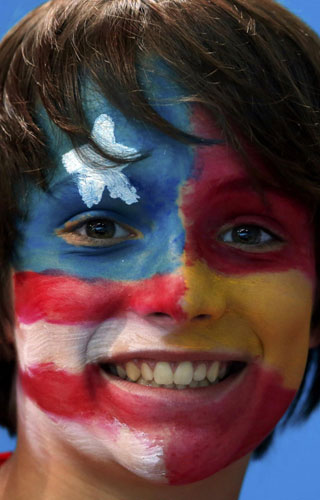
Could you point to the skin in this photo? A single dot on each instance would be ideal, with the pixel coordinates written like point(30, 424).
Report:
point(175, 285)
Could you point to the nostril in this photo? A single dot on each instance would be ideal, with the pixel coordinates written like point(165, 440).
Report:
point(158, 315)
point(159, 318)
point(201, 317)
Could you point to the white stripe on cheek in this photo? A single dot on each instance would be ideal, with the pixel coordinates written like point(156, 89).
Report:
point(63, 345)
point(72, 347)
point(90, 180)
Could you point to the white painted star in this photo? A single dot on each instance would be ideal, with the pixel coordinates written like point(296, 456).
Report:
point(91, 181)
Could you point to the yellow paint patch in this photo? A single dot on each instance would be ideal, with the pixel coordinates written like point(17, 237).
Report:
point(228, 334)
point(264, 314)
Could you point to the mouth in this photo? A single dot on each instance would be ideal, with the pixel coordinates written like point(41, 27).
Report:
point(176, 375)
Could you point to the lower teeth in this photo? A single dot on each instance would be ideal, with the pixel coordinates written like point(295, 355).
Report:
point(192, 385)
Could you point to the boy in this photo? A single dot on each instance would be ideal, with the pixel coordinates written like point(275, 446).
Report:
point(159, 194)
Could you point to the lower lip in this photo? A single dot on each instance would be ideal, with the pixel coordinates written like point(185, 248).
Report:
point(200, 430)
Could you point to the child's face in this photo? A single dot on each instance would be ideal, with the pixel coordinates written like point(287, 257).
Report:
point(176, 266)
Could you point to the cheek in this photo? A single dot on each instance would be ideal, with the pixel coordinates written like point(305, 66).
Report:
point(264, 314)
point(58, 315)
point(279, 308)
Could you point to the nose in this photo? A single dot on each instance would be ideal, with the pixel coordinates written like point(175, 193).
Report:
point(201, 297)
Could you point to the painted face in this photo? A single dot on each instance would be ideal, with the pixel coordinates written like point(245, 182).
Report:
point(163, 308)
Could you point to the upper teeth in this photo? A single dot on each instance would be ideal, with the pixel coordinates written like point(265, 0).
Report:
point(185, 373)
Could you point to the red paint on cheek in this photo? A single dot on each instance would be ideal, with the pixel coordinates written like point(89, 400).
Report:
point(63, 394)
point(221, 193)
point(69, 300)
point(199, 435)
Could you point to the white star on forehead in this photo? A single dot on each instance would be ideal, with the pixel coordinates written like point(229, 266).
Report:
point(90, 181)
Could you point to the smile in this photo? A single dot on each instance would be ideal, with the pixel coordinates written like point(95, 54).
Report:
point(172, 374)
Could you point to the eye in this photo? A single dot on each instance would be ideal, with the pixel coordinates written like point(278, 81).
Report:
point(250, 237)
point(95, 232)
point(102, 229)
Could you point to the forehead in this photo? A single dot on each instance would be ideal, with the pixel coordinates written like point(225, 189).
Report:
point(161, 92)
point(168, 159)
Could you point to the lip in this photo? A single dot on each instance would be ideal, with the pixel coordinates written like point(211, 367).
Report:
point(173, 356)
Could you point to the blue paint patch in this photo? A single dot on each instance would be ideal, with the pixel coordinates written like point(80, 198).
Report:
point(157, 179)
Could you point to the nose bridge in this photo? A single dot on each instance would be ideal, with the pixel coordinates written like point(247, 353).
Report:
point(205, 295)
point(175, 245)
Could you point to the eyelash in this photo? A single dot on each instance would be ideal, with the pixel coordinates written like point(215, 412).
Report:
point(273, 242)
point(72, 235)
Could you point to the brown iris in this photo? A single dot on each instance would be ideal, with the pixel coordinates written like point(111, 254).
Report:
point(100, 229)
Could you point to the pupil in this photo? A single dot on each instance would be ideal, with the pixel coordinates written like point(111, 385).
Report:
point(100, 229)
point(246, 234)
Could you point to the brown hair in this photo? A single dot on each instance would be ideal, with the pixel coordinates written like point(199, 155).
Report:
point(254, 65)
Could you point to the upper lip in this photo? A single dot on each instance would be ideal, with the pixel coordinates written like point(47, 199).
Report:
point(177, 356)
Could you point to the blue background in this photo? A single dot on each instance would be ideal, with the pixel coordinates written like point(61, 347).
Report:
point(290, 470)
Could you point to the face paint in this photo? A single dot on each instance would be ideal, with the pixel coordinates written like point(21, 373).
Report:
point(203, 276)
point(90, 182)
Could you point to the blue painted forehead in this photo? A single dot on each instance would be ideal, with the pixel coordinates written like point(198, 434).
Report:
point(115, 134)
point(161, 89)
